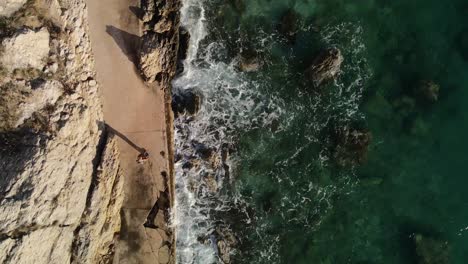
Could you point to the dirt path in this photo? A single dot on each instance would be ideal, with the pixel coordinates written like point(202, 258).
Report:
point(137, 115)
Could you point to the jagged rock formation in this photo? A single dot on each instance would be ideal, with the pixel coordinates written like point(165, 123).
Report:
point(160, 41)
point(325, 66)
point(60, 176)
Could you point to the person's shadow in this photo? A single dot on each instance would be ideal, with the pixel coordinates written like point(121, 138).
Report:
point(124, 138)
point(127, 42)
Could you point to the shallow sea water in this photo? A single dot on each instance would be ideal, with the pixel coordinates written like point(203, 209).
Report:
point(297, 205)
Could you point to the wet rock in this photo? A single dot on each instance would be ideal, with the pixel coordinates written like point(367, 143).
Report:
point(211, 183)
point(351, 146)
point(184, 42)
point(226, 241)
point(430, 250)
point(203, 150)
point(26, 49)
point(325, 66)
point(249, 64)
point(427, 91)
point(249, 60)
point(289, 25)
point(186, 102)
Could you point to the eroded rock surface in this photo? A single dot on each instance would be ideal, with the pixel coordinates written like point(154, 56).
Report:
point(26, 49)
point(325, 66)
point(60, 178)
point(160, 41)
point(8, 7)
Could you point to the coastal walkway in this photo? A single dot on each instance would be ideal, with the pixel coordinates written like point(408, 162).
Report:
point(136, 114)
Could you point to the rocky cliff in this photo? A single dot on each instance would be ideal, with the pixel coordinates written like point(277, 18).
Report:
point(60, 180)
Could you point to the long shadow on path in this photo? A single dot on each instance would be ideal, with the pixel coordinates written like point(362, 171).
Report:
point(127, 42)
point(124, 138)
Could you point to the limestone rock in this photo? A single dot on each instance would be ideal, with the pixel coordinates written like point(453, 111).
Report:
point(26, 49)
point(8, 7)
point(325, 66)
point(60, 190)
point(46, 94)
point(160, 41)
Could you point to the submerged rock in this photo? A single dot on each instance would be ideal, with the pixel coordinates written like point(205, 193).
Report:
point(430, 250)
point(351, 146)
point(289, 25)
point(427, 91)
point(186, 102)
point(325, 66)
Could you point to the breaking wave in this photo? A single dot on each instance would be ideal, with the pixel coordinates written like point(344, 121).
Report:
point(232, 104)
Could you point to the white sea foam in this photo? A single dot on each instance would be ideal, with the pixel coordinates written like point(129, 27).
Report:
point(230, 103)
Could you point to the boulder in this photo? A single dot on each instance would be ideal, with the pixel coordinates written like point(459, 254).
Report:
point(427, 91)
point(325, 66)
point(8, 7)
point(26, 49)
point(430, 250)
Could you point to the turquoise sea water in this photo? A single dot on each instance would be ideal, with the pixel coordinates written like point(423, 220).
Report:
point(300, 206)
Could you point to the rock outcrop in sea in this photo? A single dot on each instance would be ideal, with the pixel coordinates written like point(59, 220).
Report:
point(325, 66)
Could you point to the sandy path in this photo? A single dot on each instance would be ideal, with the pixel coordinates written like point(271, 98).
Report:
point(136, 112)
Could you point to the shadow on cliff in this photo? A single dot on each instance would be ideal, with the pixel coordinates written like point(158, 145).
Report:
point(127, 42)
point(17, 149)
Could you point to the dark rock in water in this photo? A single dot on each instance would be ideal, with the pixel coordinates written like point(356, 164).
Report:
point(351, 146)
point(226, 241)
point(289, 25)
point(249, 64)
point(203, 150)
point(186, 102)
point(184, 41)
point(430, 250)
point(325, 66)
point(427, 91)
